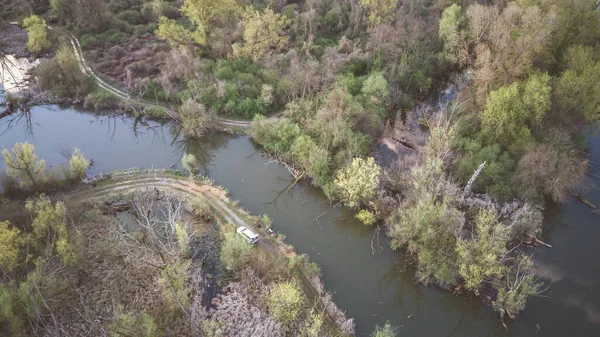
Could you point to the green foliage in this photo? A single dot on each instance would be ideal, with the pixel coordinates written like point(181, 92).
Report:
point(78, 164)
point(61, 11)
point(24, 166)
point(512, 111)
point(384, 331)
point(235, 251)
point(379, 11)
point(189, 163)
point(481, 256)
point(498, 170)
point(183, 239)
point(375, 91)
point(576, 96)
point(36, 34)
point(205, 14)
point(175, 285)
point(133, 324)
point(366, 217)
point(176, 34)
point(358, 182)
point(276, 136)
point(285, 301)
point(194, 119)
point(130, 16)
point(51, 220)
point(11, 242)
point(519, 283)
point(62, 75)
point(313, 325)
point(450, 31)
point(262, 32)
point(428, 228)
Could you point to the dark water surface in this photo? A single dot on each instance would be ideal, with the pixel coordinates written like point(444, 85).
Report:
point(373, 286)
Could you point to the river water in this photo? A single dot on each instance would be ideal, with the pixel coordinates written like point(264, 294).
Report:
point(371, 285)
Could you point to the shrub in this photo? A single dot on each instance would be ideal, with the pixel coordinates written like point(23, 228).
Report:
point(36, 34)
point(235, 251)
point(366, 217)
point(189, 163)
point(78, 164)
point(194, 119)
point(384, 331)
point(358, 182)
point(285, 302)
point(62, 75)
point(24, 166)
point(130, 16)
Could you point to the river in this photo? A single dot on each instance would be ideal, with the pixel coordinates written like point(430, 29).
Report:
point(373, 286)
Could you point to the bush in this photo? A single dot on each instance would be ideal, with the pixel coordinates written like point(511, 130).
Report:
point(132, 17)
point(36, 34)
point(78, 164)
point(285, 302)
point(189, 163)
point(358, 182)
point(62, 75)
point(384, 331)
point(235, 251)
point(194, 119)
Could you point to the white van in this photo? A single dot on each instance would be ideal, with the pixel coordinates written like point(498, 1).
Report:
point(247, 234)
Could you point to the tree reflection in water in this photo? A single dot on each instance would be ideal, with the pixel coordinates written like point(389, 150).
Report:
point(203, 148)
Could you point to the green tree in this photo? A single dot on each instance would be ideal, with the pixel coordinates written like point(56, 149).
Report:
point(518, 284)
point(176, 288)
point(375, 90)
point(24, 166)
point(358, 182)
point(577, 91)
point(61, 10)
point(512, 111)
point(175, 34)
point(451, 31)
point(133, 324)
point(62, 75)
point(366, 217)
point(205, 14)
point(11, 242)
point(285, 301)
point(37, 39)
point(481, 254)
point(384, 331)
point(51, 220)
point(262, 32)
point(380, 12)
point(189, 163)
point(78, 164)
point(235, 251)
point(194, 119)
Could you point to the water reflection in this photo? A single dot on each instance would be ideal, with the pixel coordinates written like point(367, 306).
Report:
point(372, 285)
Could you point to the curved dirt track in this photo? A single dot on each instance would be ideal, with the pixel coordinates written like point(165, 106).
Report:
point(215, 197)
point(86, 69)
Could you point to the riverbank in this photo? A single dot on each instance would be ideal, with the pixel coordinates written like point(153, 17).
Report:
point(373, 286)
point(229, 215)
point(234, 301)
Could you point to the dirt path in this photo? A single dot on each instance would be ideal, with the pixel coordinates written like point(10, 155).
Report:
point(215, 197)
point(86, 69)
